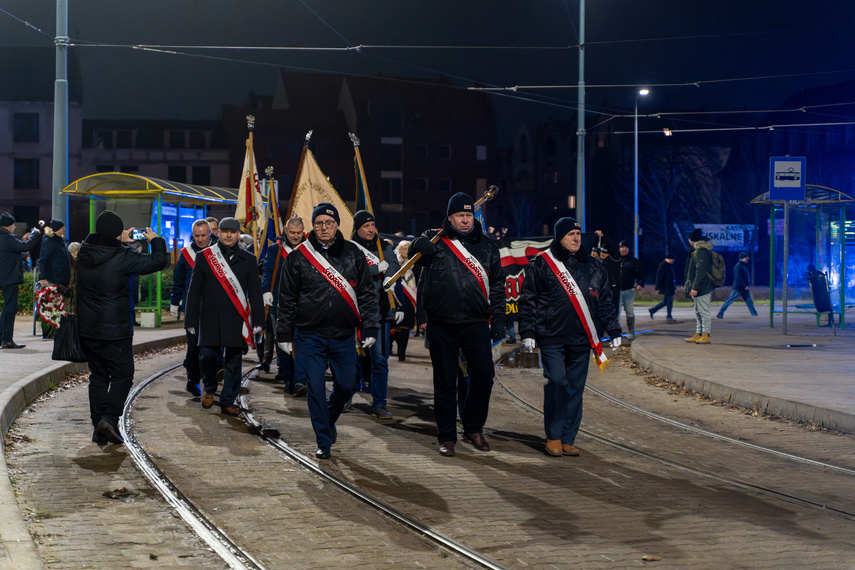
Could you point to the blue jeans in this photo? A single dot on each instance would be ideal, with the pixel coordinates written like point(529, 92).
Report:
point(10, 309)
point(565, 368)
point(746, 296)
point(668, 302)
point(313, 354)
point(627, 300)
point(377, 367)
point(209, 358)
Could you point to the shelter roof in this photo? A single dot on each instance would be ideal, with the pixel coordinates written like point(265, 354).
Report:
point(124, 185)
point(814, 195)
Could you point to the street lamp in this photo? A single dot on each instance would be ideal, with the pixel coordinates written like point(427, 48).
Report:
point(635, 251)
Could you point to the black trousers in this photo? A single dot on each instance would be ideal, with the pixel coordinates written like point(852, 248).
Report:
point(111, 366)
point(10, 309)
point(446, 341)
point(191, 360)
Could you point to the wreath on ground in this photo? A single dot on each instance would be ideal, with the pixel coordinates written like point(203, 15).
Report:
point(50, 305)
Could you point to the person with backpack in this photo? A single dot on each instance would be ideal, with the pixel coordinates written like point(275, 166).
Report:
point(741, 282)
point(699, 285)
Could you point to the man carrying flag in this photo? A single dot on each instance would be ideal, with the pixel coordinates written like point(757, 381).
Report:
point(563, 292)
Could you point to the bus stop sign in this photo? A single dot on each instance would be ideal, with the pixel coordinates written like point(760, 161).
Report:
point(787, 178)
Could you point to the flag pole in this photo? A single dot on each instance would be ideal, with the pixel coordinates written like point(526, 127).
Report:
point(290, 210)
point(251, 206)
point(274, 208)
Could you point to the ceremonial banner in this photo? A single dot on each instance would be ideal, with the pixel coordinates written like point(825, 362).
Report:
point(312, 188)
point(250, 204)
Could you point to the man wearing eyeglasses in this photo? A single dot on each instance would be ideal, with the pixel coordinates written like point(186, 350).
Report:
point(326, 294)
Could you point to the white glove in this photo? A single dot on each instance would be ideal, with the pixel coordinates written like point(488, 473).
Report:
point(615, 344)
point(191, 330)
point(368, 342)
point(285, 347)
point(383, 266)
point(256, 330)
point(528, 344)
point(399, 316)
point(173, 310)
point(268, 298)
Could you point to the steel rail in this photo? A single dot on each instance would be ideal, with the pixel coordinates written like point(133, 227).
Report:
point(215, 537)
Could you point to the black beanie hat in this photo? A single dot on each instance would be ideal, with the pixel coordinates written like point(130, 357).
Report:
point(108, 223)
point(6, 219)
point(460, 202)
point(56, 225)
point(669, 255)
point(325, 209)
point(361, 218)
point(696, 235)
point(623, 243)
point(564, 226)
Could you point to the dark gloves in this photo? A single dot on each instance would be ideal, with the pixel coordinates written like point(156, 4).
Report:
point(497, 330)
point(424, 246)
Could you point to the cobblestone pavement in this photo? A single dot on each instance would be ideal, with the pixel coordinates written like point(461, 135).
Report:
point(605, 509)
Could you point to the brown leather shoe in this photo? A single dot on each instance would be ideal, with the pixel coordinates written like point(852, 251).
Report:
point(233, 411)
point(207, 400)
point(478, 440)
point(446, 449)
point(553, 447)
point(705, 339)
point(693, 338)
point(568, 449)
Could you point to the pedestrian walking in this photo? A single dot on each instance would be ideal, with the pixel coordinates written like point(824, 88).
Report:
point(462, 293)
point(199, 240)
point(666, 284)
point(274, 262)
point(741, 286)
point(105, 267)
point(626, 275)
point(699, 285)
point(325, 296)
point(225, 310)
point(373, 366)
point(564, 290)
point(12, 274)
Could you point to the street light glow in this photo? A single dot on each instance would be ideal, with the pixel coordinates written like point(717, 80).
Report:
point(644, 91)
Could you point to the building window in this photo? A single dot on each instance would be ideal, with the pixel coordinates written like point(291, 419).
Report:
point(177, 174)
point(444, 185)
point(197, 139)
point(274, 150)
point(176, 139)
point(103, 139)
point(421, 184)
point(481, 152)
point(129, 168)
point(26, 127)
point(26, 173)
point(124, 138)
point(443, 152)
point(104, 168)
point(390, 157)
point(202, 175)
point(421, 151)
point(293, 149)
point(390, 122)
point(391, 190)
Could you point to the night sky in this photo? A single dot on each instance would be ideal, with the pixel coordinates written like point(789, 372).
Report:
point(630, 43)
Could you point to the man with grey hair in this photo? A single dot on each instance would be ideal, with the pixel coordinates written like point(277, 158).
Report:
point(200, 239)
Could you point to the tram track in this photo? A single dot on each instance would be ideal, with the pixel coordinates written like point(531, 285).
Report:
point(741, 484)
point(229, 550)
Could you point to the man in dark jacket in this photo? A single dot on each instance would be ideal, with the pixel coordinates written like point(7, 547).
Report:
point(462, 307)
point(374, 365)
point(271, 275)
point(200, 239)
point(564, 290)
point(326, 294)
point(741, 286)
point(224, 308)
point(699, 285)
point(626, 276)
point(105, 266)
point(12, 274)
point(54, 259)
point(666, 284)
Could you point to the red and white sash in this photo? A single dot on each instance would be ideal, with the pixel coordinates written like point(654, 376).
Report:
point(332, 276)
point(189, 255)
point(285, 249)
point(227, 278)
point(565, 279)
point(472, 264)
point(371, 259)
point(408, 284)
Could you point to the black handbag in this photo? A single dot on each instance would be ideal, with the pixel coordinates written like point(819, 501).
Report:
point(66, 343)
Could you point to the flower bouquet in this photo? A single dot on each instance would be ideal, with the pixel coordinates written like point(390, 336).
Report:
point(50, 305)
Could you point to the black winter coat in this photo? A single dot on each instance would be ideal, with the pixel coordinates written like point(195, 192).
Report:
point(387, 308)
point(105, 267)
point(741, 276)
point(11, 262)
point(209, 309)
point(449, 292)
point(625, 273)
point(546, 313)
point(182, 274)
point(308, 302)
point(55, 261)
point(666, 281)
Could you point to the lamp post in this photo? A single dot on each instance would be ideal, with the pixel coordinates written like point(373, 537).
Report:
point(635, 251)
